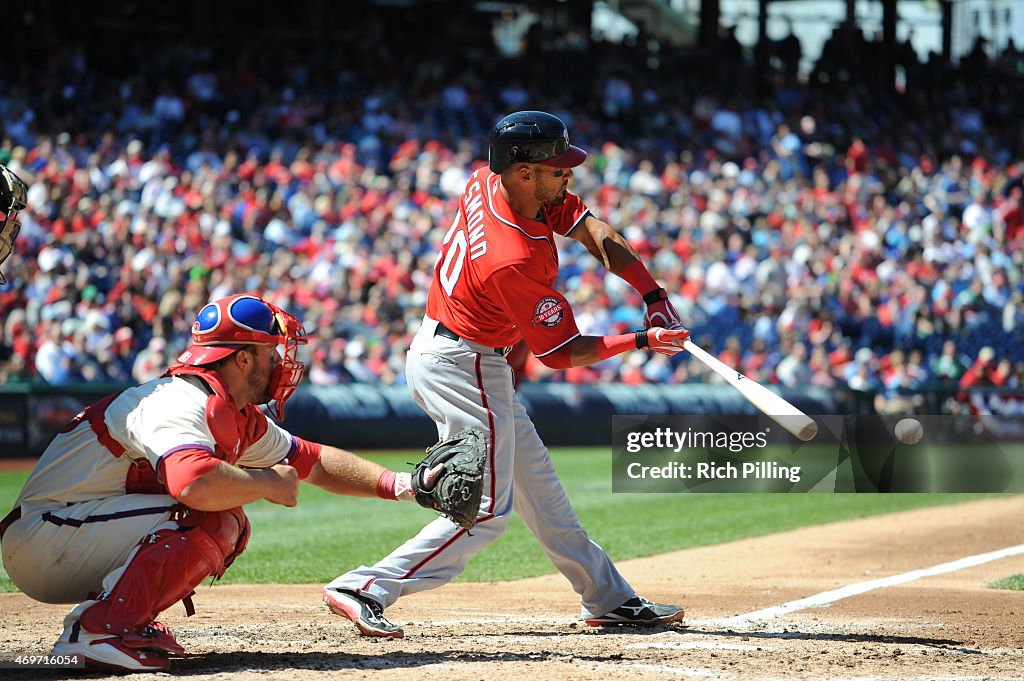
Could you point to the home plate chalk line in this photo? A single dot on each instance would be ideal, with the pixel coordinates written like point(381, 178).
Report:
point(827, 597)
point(817, 600)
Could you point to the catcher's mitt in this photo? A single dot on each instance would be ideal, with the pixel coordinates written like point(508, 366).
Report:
point(456, 489)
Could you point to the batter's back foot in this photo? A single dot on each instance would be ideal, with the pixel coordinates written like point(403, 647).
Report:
point(366, 613)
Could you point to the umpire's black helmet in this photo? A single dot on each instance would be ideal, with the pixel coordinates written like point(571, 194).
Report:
point(532, 137)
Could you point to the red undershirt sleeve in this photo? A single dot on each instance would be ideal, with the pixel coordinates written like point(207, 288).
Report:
point(183, 467)
point(637, 275)
point(303, 455)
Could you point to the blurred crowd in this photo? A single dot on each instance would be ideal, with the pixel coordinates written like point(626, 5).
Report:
point(817, 233)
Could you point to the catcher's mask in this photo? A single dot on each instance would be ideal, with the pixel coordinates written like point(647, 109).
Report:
point(224, 326)
point(13, 194)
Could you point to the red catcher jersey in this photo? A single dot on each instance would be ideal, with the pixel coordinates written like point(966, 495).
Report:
point(494, 275)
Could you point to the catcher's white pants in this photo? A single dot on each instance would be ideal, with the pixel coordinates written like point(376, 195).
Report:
point(59, 554)
point(462, 384)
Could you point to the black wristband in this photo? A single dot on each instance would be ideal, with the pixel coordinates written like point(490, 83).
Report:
point(655, 295)
point(641, 339)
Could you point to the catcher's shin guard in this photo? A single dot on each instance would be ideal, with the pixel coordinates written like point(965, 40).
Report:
point(165, 568)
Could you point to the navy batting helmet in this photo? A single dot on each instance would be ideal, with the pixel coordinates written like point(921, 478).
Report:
point(532, 137)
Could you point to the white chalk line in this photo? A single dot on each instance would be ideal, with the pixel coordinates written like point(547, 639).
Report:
point(511, 619)
point(818, 600)
point(693, 672)
point(617, 669)
point(691, 645)
point(828, 597)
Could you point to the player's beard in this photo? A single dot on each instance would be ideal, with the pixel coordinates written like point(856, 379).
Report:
point(259, 384)
point(549, 200)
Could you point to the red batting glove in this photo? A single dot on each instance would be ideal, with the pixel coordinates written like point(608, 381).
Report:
point(665, 341)
point(660, 311)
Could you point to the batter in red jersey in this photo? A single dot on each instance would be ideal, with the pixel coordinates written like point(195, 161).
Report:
point(494, 284)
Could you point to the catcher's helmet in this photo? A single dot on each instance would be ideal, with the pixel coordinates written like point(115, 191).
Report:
point(226, 325)
point(532, 137)
point(13, 194)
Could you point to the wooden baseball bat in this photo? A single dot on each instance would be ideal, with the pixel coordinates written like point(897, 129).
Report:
point(781, 411)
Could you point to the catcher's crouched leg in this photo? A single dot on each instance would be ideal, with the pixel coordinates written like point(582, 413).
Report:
point(166, 567)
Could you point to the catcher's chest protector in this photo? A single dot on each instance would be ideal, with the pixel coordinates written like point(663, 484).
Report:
point(233, 430)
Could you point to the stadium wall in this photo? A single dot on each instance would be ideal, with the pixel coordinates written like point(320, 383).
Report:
point(364, 416)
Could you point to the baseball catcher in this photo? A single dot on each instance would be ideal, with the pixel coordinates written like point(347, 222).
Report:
point(141, 497)
point(13, 192)
point(450, 479)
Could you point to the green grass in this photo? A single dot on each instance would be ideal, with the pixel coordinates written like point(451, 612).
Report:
point(327, 535)
point(1014, 583)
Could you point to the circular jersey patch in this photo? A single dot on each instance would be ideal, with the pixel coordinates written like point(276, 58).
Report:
point(549, 311)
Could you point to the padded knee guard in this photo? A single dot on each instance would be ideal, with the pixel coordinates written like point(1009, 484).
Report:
point(228, 529)
point(166, 567)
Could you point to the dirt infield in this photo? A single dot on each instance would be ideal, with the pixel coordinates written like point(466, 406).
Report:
point(945, 626)
point(16, 464)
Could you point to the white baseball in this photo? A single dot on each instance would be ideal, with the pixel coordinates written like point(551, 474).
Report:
point(909, 431)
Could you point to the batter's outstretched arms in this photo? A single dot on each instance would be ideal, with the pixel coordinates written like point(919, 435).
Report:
point(551, 332)
point(549, 326)
point(613, 251)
